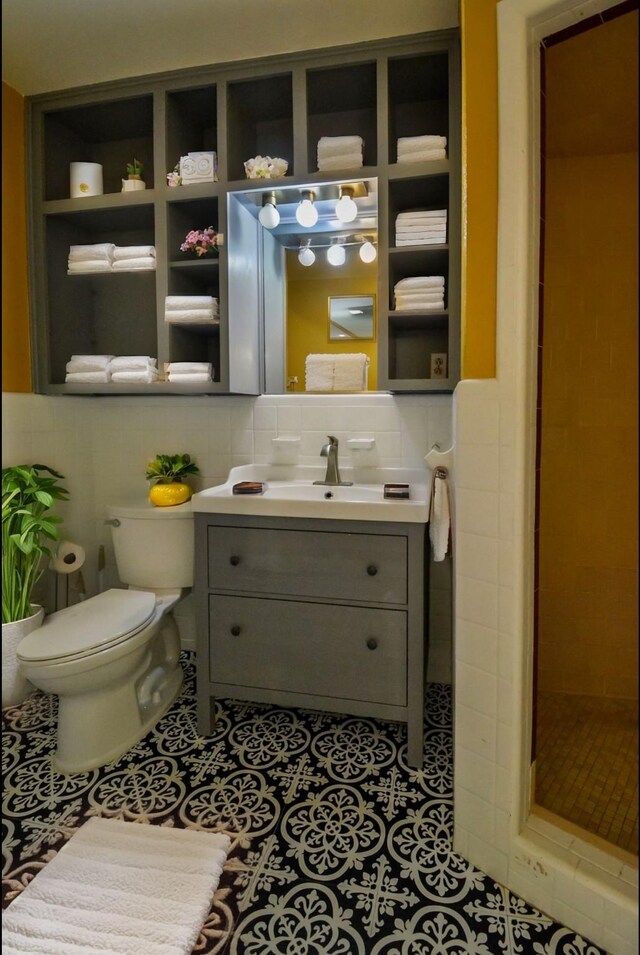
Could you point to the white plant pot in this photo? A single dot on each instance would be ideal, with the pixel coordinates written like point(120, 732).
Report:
point(133, 185)
point(15, 687)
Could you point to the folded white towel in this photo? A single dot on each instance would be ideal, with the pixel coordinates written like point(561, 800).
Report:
point(90, 265)
point(424, 295)
point(431, 240)
point(409, 143)
point(420, 238)
point(420, 228)
point(87, 376)
point(426, 155)
point(89, 362)
point(419, 306)
point(175, 302)
point(415, 225)
point(132, 362)
point(133, 251)
point(327, 144)
point(186, 377)
point(191, 316)
point(145, 375)
point(419, 281)
point(134, 265)
point(100, 250)
point(419, 214)
point(350, 372)
point(350, 161)
point(182, 367)
point(440, 517)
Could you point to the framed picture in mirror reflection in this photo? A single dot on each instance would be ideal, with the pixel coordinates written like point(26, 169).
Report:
point(352, 318)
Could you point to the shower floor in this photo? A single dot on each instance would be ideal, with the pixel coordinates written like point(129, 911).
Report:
point(587, 764)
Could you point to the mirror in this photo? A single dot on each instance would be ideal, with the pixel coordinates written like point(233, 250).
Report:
point(290, 254)
point(351, 318)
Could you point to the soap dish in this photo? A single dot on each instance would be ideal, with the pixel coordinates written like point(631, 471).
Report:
point(248, 487)
point(396, 491)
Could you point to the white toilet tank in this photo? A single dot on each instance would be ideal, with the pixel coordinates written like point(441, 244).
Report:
point(153, 545)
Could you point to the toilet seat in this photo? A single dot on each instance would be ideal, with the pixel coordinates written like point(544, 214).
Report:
point(91, 626)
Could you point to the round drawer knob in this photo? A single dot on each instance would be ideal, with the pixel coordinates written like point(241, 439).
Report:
point(234, 560)
point(372, 643)
point(372, 570)
point(235, 631)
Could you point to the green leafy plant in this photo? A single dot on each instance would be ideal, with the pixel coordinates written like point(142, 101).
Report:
point(135, 168)
point(167, 468)
point(28, 494)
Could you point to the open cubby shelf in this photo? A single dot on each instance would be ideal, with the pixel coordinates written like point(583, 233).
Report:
point(277, 106)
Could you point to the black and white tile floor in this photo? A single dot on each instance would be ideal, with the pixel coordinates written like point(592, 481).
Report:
point(339, 848)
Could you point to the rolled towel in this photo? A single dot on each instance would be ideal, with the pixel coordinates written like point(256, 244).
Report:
point(132, 363)
point(174, 302)
point(133, 251)
point(89, 362)
point(191, 316)
point(350, 161)
point(101, 250)
point(189, 376)
point(412, 143)
point(144, 375)
point(188, 367)
point(424, 155)
point(88, 376)
point(318, 371)
point(133, 265)
point(419, 281)
point(350, 372)
point(90, 265)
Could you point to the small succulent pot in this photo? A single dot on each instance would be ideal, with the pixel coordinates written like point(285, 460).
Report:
point(133, 184)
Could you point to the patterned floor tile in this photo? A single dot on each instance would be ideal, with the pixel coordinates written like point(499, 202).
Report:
point(338, 846)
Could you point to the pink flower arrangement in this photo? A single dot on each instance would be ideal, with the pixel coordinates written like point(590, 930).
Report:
point(201, 242)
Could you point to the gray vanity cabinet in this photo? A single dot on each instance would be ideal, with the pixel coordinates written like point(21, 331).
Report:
point(324, 614)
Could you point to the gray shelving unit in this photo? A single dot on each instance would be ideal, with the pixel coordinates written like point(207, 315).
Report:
point(273, 106)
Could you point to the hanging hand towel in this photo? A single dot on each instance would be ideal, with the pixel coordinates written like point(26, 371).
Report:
point(439, 517)
point(350, 372)
point(318, 372)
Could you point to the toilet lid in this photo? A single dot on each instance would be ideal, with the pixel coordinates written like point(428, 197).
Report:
point(88, 626)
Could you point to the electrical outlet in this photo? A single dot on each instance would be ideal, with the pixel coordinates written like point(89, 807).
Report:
point(438, 365)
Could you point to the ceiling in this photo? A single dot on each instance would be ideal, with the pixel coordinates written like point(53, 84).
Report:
point(52, 45)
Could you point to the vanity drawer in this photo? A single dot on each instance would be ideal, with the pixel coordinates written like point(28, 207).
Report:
point(352, 653)
point(325, 564)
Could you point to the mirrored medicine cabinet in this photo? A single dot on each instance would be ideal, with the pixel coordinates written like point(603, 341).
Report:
point(314, 285)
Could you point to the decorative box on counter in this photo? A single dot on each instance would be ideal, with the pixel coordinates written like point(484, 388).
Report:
point(198, 167)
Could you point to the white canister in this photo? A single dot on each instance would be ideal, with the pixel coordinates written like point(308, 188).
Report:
point(85, 179)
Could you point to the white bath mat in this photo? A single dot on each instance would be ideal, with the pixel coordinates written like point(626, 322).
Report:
point(118, 887)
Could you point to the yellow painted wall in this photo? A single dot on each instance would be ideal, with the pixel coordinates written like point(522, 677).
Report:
point(16, 358)
point(588, 525)
point(480, 151)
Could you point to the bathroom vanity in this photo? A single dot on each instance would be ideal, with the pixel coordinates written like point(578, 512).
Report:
point(321, 612)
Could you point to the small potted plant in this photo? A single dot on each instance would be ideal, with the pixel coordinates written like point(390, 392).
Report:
point(29, 493)
point(201, 241)
point(134, 180)
point(166, 473)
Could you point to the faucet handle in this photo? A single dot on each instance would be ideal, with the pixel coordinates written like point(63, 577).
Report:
point(334, 441)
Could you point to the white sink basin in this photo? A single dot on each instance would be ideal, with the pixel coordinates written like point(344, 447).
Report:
point(290, 492)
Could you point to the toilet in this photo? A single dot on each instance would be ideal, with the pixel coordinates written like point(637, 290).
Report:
point(113, 660)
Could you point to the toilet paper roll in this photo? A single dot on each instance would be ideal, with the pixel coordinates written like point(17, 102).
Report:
point(67, 558)
point(85, 179)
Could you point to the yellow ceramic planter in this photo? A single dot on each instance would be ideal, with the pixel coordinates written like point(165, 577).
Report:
point(166, 495)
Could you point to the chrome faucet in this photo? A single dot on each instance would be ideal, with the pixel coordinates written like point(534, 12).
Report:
point(330, 452)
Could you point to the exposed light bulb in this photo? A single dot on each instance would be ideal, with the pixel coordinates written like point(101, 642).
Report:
point(269, 217)
point(346, 209)
point(306, 256)
point(336, 255)
point(306, 213)
point(368, 251)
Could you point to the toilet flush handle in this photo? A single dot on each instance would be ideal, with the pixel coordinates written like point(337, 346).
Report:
point(114, 522)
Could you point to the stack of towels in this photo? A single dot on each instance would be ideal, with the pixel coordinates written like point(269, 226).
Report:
point(336, 372)
point(185, 371)
point(421, 227)
point(340, 152)
point(91, 258)
point(421, 148)
point(85, 369)
point(130, 368)
point(422, 292)
point(107, 257)
point(130, 258)
point(191, 310)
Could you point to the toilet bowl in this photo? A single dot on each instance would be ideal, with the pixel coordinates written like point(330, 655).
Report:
point(113, 660)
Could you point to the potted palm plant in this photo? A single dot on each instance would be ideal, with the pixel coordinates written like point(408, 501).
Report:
point(166, 472)
point(29, 493)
